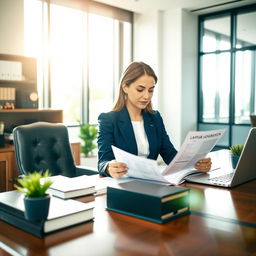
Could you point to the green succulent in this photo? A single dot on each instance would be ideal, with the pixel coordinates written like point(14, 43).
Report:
point(34, 184)
point(88, 133)
point(236, 150)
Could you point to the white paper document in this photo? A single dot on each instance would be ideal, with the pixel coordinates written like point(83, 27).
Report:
point(195, 147)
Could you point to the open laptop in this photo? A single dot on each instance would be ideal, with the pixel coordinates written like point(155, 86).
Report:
point(245, 170)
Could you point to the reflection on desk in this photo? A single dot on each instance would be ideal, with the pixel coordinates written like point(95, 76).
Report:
point(236, 205)
point(223, 223)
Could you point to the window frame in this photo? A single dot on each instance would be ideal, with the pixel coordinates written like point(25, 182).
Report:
point(233, 50)
point(89, 7)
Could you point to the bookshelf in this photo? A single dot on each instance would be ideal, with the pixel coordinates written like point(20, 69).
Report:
point(28, 69)
point(19, 74)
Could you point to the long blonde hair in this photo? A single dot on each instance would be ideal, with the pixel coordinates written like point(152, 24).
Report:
point(133, 72)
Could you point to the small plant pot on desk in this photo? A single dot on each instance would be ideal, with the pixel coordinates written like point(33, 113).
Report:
point(37, 208)
point(234, 161)
point(36, 200)
point(236, 151)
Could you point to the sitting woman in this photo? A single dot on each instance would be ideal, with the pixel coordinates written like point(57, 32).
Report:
point(134, 126)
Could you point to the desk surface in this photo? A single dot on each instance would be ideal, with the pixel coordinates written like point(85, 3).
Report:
point(222, 222)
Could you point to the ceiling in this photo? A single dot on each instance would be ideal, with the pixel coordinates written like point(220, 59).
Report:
point(195, 6)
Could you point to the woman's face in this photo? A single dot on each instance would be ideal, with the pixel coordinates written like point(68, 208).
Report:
point(140, 92)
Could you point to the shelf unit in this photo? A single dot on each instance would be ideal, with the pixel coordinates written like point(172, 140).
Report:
point(28, 83)
point(14, 117)
point(8, 168)
point(29, 70)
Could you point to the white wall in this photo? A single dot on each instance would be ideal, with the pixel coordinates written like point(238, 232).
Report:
point(11, 27)
point(174, 57)
point(189, 79)
point(147, 43)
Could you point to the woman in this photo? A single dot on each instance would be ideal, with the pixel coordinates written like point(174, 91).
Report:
point(134, 126)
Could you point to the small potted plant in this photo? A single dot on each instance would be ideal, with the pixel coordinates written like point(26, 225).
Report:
point(236, 151)
point(88, 133)
point(36, 200)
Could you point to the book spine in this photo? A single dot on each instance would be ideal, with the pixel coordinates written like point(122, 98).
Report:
point(19, 222)
point(159, 221)
point(11, 210)
point(175, 204)
point(136, 215)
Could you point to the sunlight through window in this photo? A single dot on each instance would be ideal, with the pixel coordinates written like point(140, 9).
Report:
point(80, 56)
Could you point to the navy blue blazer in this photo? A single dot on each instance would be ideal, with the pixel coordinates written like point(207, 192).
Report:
point(115, 128)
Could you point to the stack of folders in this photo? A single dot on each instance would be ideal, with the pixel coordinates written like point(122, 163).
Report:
point(149, 201)
point(62, 213)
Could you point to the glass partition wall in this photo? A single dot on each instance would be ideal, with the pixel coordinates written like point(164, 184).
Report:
point(227, 73)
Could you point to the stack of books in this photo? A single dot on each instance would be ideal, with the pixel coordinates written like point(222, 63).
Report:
point(149, 201)
point(62, 213)
point(65, 187)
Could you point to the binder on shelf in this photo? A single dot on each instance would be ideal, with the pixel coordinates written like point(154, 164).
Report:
point(62, 213)
point(149, 201)
point(10, 70)
point(7, 98)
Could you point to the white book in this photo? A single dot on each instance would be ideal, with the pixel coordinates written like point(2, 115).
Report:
point(65, 187)
point(1, 70)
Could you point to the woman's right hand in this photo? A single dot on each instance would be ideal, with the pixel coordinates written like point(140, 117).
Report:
point(116, 169)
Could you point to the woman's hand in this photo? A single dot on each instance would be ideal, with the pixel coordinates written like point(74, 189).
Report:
point(116, 169)
point(204, 164)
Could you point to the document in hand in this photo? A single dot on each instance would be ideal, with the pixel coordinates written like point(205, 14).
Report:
point(195, 147)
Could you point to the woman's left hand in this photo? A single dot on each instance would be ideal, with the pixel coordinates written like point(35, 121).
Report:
point(204, 164)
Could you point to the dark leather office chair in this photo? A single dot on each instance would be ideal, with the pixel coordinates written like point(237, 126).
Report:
point(40, 146)
point(253, 120)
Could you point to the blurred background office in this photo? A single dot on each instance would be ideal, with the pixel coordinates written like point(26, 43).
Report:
point(203, 51)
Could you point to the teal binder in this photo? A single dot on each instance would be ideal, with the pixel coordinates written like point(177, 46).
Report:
point(149, 201)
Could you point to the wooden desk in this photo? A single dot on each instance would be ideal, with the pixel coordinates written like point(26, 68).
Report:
point(222, 222)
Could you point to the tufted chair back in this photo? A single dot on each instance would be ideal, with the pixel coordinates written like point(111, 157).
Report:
point(40, 146)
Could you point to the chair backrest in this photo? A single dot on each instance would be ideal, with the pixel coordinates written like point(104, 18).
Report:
point(40, 146)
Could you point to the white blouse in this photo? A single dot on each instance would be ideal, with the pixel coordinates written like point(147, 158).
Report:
point(141, 138)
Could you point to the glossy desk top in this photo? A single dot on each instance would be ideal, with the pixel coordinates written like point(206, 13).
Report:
point(222, 222)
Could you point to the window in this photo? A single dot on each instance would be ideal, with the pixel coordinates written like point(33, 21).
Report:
point(66, 61)
point(215, 87)
point(244, 85)
point(216, 34)
point(82, 49)
point(227, 65)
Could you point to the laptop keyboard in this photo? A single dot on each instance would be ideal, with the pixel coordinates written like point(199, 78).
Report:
point(223, 179)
